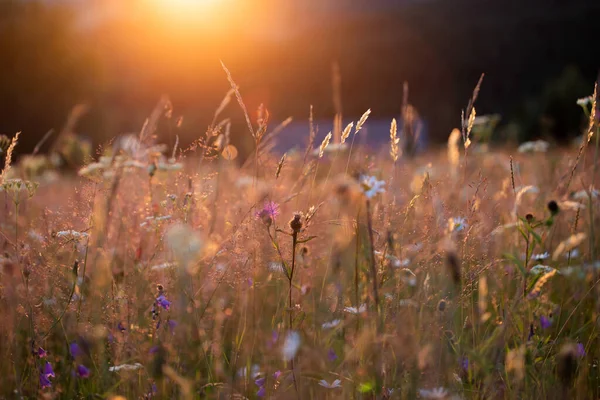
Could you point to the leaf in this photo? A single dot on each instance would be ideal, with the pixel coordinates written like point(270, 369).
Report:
point(366, 387)
point(308, 239)
point(516, 261)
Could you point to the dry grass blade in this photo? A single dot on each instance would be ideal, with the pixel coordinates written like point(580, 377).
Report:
point(362, 121)
point(238, 96)
point(280, 165)
point(568, 244)
point(324, 145)
point(151, 123)
point(592, 122)
point(224, 103)
point(346, 132)
point(539, 284)
point(8, 159)
point(394, 150)
point(470, 113)
point(453, 151)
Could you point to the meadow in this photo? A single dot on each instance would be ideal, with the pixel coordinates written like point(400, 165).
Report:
point(337, 272)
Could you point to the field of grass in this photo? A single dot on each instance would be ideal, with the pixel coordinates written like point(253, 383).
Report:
point(335, 273)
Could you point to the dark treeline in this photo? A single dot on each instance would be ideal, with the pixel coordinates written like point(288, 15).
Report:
point(539, 56)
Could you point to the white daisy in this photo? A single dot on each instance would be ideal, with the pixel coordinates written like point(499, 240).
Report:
point(371, 186)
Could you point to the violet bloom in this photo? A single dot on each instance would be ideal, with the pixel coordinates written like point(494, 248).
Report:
point(262, 392)
point(44, 381)
point(277, 374)
point(268, 213)
point(163, 302)
point(260, 382)
point(331, 355)
point(121, 327)
point(75, 350)
point(172, 324)
point(580, 350)
point(545, 322)
point(47, 371)
point(83, 371)
point(464, 363)
point(41, 352)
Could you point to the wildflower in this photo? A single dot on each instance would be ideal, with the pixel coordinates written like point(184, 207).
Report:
point(331, 324)
point(184, 242)
point(83, 371)
point(296, 222)
point(262, 392)
point(163, 302)
point(353, 310)
point(277, 374)
point(371, 186)
point(464, 363)
point(75, 350)
point(44, 381)
point(584, 101)
point(583, 194)
point(538, 146)
point(441, 305)
point(72, 234)
point(41, 353)
point(260, 381)
point(276, 267)
point(172, 324)
point(540, 257)
point(121, 327)
point(457, 224)
point(580, 350)
point(291, 346)
point(435, 393)
point(540, 269)
point(331, 355)
point(545, 322)
point(125, 367)
point(268, 213)
point(165, 265)
point(335, 384)
point(47, 371)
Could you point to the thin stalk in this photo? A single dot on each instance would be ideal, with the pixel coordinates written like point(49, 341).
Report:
point(372, 249)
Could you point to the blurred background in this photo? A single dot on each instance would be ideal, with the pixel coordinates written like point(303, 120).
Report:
point(119, 56)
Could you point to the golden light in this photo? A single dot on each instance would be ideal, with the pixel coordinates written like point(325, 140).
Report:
point(190, 9)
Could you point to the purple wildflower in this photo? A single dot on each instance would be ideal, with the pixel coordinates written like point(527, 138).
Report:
point(545, 322)
point(41, 353)
point(464, 363)
point(262, 392)
point(331, 355)
point(44, 381)
point(268, 213)
point(172, 324)
point(277, 374)
point(75, 350)
point(153, 350)
point(163, 302)
point(260, 382)
point(580, 350)
point(47, 371)
point(83, 371)
point(121, 327)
